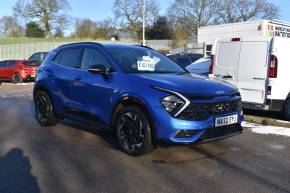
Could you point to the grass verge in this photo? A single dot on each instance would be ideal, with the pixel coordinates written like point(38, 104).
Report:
point(267, 121)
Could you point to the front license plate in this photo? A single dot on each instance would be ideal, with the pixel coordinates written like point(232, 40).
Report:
point(228, 120)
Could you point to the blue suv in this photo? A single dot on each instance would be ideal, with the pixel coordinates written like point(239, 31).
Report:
point(139, 93)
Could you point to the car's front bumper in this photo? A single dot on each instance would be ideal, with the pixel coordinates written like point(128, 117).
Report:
point(167, 128)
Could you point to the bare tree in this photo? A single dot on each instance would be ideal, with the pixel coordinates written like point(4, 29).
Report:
point(129, 13)
point(105, 29)
point(192, 14)
point(48, 12)
point(9, 26)
point(86, 28)
point(244, 10)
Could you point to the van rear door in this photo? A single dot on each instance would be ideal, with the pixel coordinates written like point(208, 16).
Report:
point(227, 60)
point(253, 69)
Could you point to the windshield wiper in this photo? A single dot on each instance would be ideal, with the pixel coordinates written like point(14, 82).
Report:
point(182, 73)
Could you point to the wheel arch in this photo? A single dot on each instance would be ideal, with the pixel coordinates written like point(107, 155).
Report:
point(134, 101)
point(43, 88)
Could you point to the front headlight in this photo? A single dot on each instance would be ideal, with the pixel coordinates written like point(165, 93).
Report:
point(172, 104)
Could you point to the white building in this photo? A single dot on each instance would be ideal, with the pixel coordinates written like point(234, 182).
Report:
point(265, 28)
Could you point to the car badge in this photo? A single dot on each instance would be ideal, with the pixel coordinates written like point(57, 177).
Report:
point(219, 92)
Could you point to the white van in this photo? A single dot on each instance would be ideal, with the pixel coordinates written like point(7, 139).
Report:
point(259, 67)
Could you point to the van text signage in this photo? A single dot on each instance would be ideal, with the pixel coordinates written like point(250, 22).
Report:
point(282, 32)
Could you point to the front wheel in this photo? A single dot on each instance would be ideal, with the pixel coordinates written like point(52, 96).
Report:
point(287, 109)
point(44, 111)
point(16, 78)
point(133, 131)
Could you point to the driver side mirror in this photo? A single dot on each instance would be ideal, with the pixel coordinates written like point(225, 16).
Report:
point(100, 69)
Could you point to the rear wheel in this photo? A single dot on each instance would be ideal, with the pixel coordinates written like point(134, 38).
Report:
point(16, 78)
point(44, 111)
point(287, 109)
point(133, 131)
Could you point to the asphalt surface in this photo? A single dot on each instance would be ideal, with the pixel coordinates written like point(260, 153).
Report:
point(74, 158)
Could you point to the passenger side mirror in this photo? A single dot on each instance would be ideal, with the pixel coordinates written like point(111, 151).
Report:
point(100, 69)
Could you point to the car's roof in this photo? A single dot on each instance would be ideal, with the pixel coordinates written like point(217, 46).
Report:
point(122, 46)
point(102, 45)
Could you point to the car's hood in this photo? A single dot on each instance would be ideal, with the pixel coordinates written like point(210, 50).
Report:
point(186, 83)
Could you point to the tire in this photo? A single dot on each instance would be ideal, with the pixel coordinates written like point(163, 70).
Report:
point(16, 78)
point(287, 109)
point(44, 110)
point(135, 138)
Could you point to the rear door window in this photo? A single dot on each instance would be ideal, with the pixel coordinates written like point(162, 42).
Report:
point(69, 57)
point(11, 63)
point(2, 64)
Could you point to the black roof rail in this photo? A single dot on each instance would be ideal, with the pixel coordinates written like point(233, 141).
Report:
point(139, 45)
point(79, 43)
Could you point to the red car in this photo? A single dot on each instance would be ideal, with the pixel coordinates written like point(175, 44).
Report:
point(17, 70)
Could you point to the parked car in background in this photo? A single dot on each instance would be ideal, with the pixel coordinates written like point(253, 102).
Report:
point(17, 70)
point(184, 59)
point(38, 57)
point(136, 91)
point(259, 67)
point(201, 66)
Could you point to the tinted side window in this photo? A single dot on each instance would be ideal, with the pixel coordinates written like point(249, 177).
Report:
point(36, 57)
point(2, 64)
point(68, 57)
point(183, 61)
point(44, 55)
point(11, 63)
point(93, 57)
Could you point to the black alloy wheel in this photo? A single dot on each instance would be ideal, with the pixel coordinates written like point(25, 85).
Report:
point(133, 131)
point(44, 110)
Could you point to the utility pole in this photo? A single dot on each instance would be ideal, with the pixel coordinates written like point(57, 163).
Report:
point(144, 22)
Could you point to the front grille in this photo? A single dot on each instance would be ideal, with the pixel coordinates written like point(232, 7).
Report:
point(209, 97)
point(220, 132)
point(200, 111)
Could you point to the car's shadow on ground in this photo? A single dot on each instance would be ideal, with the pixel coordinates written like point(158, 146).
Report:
point(15, 173)
point(106, 134)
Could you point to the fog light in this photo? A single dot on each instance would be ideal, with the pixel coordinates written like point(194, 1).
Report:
point(185, 133)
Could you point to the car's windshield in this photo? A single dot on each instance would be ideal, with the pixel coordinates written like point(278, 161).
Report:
point(143, 60)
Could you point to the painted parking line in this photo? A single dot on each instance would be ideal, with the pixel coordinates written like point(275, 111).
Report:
point(25, 84)
point(16, 96)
